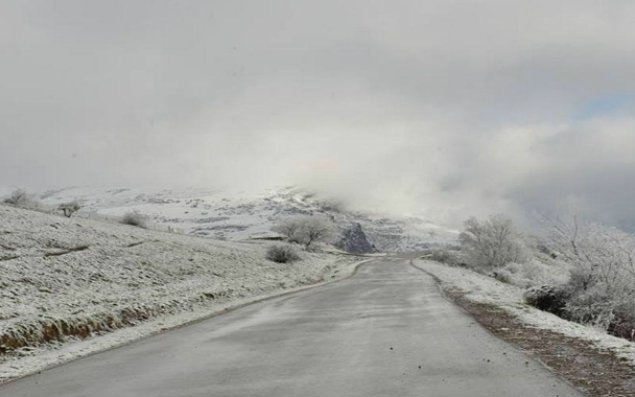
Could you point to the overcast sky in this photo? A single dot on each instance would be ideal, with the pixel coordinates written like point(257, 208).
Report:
point(445, 108)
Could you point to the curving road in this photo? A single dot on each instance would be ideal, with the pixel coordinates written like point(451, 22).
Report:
point(386, 331)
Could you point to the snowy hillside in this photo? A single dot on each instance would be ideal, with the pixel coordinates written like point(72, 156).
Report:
point(238, 215)
point(77, 277)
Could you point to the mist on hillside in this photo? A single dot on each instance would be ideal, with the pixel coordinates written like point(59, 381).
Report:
point(405, 107)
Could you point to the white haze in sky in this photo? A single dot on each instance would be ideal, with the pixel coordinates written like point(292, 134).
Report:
point(442, 108)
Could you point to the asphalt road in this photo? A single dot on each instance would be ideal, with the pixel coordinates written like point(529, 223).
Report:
point(387, 331)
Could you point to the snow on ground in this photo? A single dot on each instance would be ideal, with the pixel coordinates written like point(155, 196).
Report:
point(235, 215)
point(63, 279)
point(483, 289)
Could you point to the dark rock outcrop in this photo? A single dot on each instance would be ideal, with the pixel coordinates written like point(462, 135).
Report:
point(354, 240)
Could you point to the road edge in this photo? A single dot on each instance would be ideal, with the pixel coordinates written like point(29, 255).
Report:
point(532, 357)
point(491, 317)
point(209, 315)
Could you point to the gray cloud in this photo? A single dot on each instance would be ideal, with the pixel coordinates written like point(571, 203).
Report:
point(445, 108)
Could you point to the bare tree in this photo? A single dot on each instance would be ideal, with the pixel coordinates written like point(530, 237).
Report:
point(602, 285)
point(19, 198)
point(315, 229)
point(306, 230)
point(491, 243)
point(68, 209)
point(290, 228)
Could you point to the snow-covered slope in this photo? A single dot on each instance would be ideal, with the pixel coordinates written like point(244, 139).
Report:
point(238, 215)
point(62, 278)
point(484, 289)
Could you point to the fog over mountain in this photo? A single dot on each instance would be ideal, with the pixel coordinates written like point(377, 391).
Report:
point(441, 108)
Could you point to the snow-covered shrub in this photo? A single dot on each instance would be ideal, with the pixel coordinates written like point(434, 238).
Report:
point(447, 255)
point(503, 275)
point(282, 254)
point(68, 209)
point(623, 325)
point(603, 273)
point(21, 199)
point(533, 272)
point(134, 219)
point(492, 243)
point(306, 230)
point(549, 298)
point(17, 197)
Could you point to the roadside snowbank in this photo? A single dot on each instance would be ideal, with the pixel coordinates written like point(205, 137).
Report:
point(67, 280)
point(483, 289)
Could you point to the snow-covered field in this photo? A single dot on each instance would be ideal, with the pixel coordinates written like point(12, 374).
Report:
point(232, 215)
point(483, 289)
point(63, 280)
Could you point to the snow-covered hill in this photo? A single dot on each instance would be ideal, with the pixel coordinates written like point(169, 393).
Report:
point(238, 215)
point(64, 278)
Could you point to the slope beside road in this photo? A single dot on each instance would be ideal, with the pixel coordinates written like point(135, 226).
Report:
point(70, 287)
point(385, 331)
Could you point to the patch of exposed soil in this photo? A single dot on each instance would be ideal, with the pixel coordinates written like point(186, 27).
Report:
point(596, 372)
